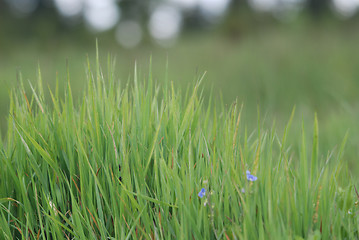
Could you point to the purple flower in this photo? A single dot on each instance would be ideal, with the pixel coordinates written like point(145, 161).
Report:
point(250, 177)
point(202, 193)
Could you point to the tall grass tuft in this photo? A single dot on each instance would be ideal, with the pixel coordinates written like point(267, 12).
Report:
point(144, 162)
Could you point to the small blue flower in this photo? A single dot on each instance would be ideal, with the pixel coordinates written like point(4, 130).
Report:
point(250, 177)
point(202, 193)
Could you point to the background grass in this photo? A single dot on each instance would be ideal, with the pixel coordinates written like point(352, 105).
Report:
point(128, 162)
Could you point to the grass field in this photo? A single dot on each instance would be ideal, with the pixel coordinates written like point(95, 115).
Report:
point(141, 161)
point(217, 138)
point(311, 67)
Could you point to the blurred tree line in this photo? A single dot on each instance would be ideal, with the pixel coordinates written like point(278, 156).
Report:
point(22, 18)
point(316, 8)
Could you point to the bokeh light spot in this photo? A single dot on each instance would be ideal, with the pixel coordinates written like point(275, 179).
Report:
point(346, 8)
point(69, 8)
point(165, 24)
point(186, 3)
point(129, 34)
point(23, 8)
point(101, 15)
point(213, 8)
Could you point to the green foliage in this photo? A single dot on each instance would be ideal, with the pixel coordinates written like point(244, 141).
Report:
point(128, 162)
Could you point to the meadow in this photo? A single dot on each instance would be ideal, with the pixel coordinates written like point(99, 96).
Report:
point(159, 155)
point(311, 67)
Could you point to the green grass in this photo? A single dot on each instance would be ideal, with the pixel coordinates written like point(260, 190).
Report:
point(60, 168)
point(313, 67)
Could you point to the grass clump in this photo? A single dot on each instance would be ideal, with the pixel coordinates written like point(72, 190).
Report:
point(144, 162)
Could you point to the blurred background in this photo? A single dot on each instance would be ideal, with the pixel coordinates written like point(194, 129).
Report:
point(275, 54)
